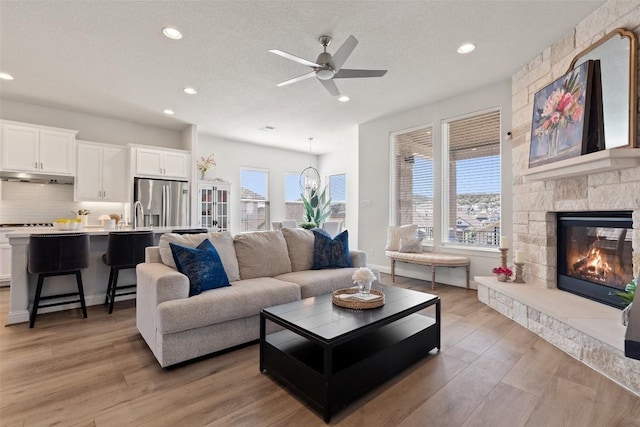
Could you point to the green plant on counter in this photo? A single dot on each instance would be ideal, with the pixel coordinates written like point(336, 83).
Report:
point(317, 207)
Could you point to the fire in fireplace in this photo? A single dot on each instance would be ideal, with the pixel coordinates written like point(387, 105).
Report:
point(595, 254)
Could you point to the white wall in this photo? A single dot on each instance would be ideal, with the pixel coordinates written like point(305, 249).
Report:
point(374, 178)
point(232, 156)
point(91, 127)
point(345, 161)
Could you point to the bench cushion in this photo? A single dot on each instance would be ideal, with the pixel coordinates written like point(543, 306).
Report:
point(430, 258)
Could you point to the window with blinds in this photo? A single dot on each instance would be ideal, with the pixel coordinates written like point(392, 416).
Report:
point(294, 209)
point(254, 199)
point(472, 183)
point(413, 152)
point(338, 194)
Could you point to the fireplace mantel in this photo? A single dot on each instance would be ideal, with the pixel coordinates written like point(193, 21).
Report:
point(600, 161)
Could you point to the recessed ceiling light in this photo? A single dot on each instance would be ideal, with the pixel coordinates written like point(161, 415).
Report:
point(6, 76)
point(190, 91)
point(169, 112)
point(172, 33)
point(466, 48)
point(344, 98)
point(267, 128)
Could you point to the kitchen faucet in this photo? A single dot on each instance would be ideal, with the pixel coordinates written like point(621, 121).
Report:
point(135, 214)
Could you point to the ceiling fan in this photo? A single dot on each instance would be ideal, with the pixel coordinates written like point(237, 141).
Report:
point(327, 67)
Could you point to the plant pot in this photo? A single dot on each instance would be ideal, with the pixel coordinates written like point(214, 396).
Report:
point(502, 277)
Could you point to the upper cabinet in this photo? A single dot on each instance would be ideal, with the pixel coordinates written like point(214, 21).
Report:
point(101, 174)
point(160, 163)
point(37, 149)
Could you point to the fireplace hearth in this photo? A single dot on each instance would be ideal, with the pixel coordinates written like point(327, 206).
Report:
point(595, 254)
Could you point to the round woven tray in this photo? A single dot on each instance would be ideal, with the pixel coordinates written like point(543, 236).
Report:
point(355, 303)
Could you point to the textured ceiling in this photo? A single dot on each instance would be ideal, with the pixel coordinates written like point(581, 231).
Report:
point(110, 58)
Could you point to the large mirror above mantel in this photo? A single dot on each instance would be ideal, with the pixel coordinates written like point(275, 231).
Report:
point(617, 52)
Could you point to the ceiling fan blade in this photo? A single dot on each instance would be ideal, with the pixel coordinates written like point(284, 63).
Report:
point(297, 79)
point(341, 55)
point(294, 58)
point(350, 74)
point(330, 86)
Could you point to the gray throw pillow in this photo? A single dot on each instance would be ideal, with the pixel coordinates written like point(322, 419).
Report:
point(411, 245)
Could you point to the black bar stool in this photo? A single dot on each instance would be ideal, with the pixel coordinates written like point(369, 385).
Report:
point(190, 231)
point(57, 255)
point(124, 250)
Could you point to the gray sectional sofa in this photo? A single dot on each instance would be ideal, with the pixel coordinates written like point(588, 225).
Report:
point(264, 269)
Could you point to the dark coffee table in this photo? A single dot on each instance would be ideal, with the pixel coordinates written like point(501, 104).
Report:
point(331, 355)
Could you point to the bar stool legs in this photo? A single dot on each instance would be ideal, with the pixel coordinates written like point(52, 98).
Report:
point(39, 297)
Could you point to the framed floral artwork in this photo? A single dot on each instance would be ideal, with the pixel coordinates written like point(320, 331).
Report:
point(567, 117)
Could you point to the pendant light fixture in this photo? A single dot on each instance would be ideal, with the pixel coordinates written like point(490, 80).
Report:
point(309, 177)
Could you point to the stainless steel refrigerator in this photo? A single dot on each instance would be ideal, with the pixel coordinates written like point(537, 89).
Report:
point(164, 203)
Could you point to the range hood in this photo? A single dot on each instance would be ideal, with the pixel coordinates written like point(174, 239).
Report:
point(35, 178)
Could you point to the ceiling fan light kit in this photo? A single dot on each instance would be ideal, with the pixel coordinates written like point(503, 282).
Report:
point(327, 67)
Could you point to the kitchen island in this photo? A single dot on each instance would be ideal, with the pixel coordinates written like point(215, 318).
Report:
point(94, 278)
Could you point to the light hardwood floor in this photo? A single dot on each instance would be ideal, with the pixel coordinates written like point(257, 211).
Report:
point(491, 371)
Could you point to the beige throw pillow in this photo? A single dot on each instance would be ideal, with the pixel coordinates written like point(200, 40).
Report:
point(223, 242)
point(411, 245)
point(396, 233)
point(262, 254)
point(300, 246)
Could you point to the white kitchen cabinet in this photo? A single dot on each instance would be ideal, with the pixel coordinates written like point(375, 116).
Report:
point(37, 149)
point(101, 172)
point(214, 205)
point(160, 163)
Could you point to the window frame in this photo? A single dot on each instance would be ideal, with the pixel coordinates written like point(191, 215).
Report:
point(446, 179)
point(393, 199)
point(344, 201)
point(265, 201)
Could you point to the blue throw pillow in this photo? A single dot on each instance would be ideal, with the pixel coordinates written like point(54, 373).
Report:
point(202, 265)
point(330, 253)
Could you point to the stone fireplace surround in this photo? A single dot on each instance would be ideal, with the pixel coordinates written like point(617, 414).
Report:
point(604, 181)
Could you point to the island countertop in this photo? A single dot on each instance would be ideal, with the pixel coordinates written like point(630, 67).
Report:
point(94, 278)
point(93, 231)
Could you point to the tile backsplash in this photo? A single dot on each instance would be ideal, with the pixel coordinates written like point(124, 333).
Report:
point(25, 202)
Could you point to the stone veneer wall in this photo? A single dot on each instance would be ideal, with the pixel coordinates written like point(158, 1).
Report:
point(535, 203)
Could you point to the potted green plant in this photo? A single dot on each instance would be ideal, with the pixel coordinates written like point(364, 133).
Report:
point(317, 207)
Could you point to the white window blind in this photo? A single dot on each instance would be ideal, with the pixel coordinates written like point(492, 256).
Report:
point(338, 194)
point(413, 152)
point(254, 185)
point(472, 214)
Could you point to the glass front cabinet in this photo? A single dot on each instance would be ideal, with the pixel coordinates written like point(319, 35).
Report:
point(214, 205)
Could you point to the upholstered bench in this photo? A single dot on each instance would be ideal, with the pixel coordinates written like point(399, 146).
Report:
point(430, 259)
point(403, 245)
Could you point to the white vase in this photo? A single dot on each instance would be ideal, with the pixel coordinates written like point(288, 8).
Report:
point(84, 220)
point(625, 314)
point(502, 277)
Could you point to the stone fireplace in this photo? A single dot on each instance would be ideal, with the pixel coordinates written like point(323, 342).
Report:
point(605, 181)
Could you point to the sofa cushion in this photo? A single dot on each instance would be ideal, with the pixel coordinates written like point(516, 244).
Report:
point(223, 242)
point(243, 298)
point(300, 247)
point(318, 282)
point(201, 265)
point(262, 254)
point(395, 233)
point(330, 253)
